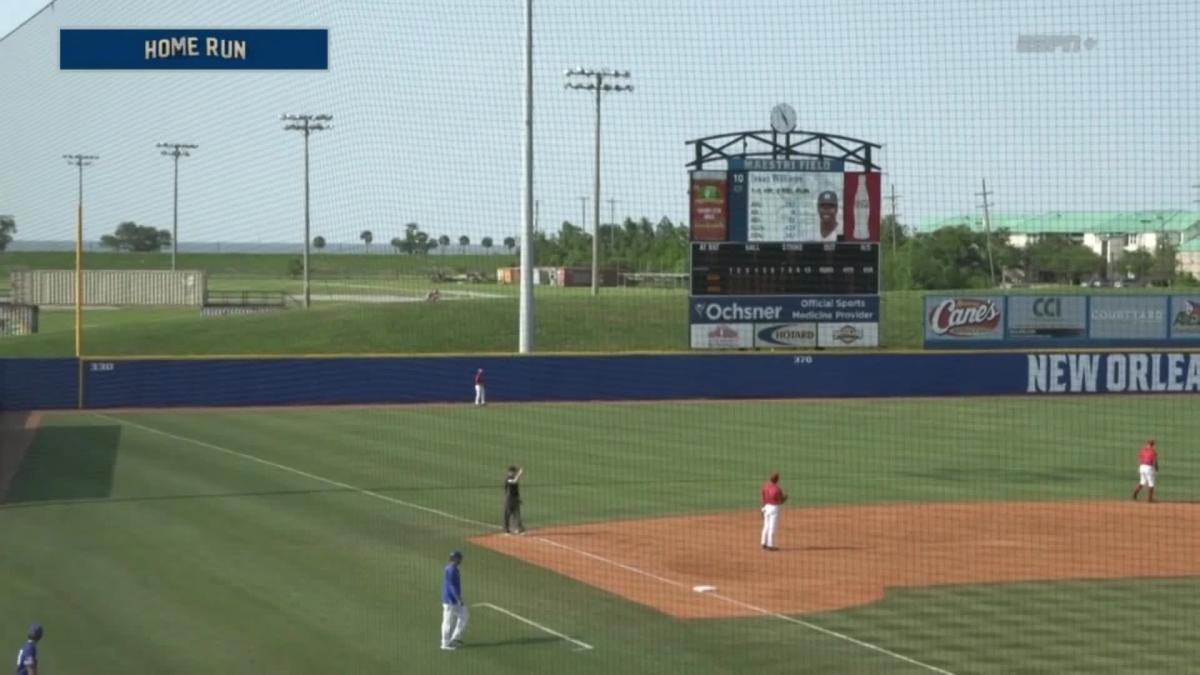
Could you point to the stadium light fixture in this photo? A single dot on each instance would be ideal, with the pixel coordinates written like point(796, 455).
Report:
point(596, 81)
point(306, 124)
point(176, 150)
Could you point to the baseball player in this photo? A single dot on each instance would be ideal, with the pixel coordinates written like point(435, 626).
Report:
point(27, 657)
point(512, 500)
point(773, 497)
point(454, 610)
point(480, 390)
point(827, 214)
point(1147, 469)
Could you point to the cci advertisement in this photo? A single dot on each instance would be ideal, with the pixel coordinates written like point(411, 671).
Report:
point(968, 321)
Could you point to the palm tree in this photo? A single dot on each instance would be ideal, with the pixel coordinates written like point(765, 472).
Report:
point(510, 243)
point(398, 244)
point(318, 242)
point(487, 244)
point(443, 241)
point(367, 238)
point(463, 242)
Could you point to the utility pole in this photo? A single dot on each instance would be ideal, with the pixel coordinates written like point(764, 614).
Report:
point(177, 150)
point(612, 222)
point(987, 228)
point(306, 124)
point(596, 82)
point(79, 161)
point(893, 198)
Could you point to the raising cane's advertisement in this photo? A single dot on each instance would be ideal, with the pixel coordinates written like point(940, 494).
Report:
point(964, 318)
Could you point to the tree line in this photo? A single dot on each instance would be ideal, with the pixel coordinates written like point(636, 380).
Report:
point(947, 258)
point(959, 257)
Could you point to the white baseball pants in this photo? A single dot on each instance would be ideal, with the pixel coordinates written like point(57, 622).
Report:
point(770, 523)
point(454, 622)
point(1147, 475)
point(480, 395)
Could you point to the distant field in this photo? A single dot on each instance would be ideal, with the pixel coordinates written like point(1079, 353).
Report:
point(312, 541)
point(359, 306)
point(269, 265)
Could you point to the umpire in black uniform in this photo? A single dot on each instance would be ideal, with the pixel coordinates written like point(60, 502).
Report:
point(512, 500)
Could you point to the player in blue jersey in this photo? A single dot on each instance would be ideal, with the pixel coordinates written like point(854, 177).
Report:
point(27, 658)
point(454, 610)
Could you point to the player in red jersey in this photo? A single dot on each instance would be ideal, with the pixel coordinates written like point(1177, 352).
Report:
point(1147, 469)
point(773, 498)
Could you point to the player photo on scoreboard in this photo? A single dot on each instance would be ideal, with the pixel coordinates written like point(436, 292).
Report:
point(795, 206)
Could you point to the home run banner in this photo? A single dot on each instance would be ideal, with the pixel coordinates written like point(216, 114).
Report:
point(193, 49)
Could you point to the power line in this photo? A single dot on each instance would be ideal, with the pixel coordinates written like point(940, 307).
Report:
point(987, 228)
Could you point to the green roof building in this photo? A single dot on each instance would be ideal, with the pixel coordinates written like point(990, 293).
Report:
point(1108, 233)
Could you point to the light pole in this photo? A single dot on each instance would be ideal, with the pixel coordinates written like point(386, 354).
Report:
point(525, 300)
point(595, 81)
point(177, 150)
point(79, 161)
point(306, 124)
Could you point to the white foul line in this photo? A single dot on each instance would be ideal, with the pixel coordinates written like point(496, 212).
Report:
point(298, 472)
point(518, 617)
point(426, 509)
point(760, 610)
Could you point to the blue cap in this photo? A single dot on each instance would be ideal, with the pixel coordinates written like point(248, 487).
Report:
point(456, 555)
point(35, 631)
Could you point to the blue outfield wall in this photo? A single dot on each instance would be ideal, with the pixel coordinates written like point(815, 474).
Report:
point(51, 383)
point(38, 384)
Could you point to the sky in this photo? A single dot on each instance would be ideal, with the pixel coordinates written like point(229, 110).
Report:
point(427, 109)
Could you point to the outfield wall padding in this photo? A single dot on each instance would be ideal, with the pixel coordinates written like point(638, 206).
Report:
point(50, 383)
point(38, 384)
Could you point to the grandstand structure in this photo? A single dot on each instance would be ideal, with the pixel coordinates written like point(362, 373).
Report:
point(1110, 234)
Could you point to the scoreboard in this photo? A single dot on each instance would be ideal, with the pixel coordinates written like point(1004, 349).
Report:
point(795, 268)
point(784, 253)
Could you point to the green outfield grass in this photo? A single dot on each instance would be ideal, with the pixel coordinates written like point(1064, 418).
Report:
point(477, 317)
point(312, 541)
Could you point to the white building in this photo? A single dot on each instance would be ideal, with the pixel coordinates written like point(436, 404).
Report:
point(1109, 233)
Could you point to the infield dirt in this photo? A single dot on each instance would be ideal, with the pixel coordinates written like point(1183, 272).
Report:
point(838, 558)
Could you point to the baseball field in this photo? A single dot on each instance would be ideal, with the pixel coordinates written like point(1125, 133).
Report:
point(949, 536)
